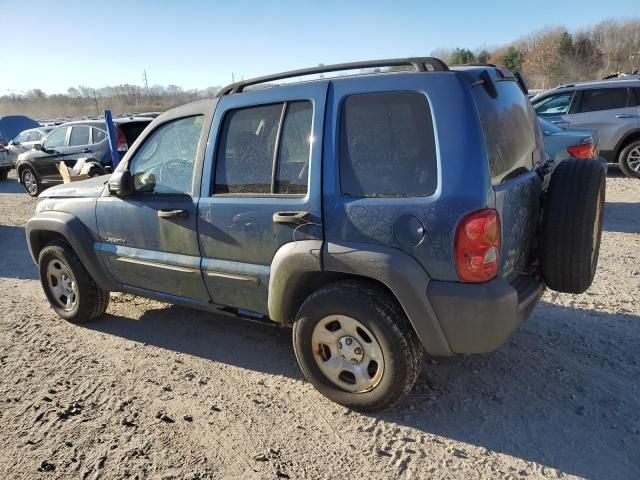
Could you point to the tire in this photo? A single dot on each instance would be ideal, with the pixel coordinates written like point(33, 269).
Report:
point(572, 225)
point(4, 173)
point(30, 181)
point(629, 159)
point(88, 300)
point(381, 320)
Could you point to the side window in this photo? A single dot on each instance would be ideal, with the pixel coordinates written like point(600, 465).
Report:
point(604, 99)
point(247, 150)
point(387, 146)
point(164, 163)
point(509, 128)
point(292, 168)
point(79, 136)
point(35, 136)
point(23, 137)
point(98, 135)
point(56, 138)
point(554, 105)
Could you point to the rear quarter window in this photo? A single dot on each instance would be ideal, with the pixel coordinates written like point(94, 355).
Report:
point(510, 129)
point(387, 146)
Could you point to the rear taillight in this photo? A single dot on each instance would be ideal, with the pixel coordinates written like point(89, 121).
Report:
point(477, 246)
point(583, 150)
point(121, 144)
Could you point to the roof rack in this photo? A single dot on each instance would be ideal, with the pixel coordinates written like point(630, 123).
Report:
point(420, 64)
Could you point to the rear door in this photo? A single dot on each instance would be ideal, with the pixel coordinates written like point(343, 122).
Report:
point(613, 111)
point(78, 145)
point(262, 168)
point(514, 147)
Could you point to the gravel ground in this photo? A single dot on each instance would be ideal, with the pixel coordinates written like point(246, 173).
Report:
point(157, 391)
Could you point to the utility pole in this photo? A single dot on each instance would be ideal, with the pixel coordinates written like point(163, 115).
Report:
point(146, 83)
point(233, 78)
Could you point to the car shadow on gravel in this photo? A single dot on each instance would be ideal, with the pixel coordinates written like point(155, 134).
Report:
point(559, 393)
point(220, 338)
point(11, 185)
point(563, 392)
point(16, 262)
point(620, 216)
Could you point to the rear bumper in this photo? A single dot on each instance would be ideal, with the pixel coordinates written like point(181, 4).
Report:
point(478, 318)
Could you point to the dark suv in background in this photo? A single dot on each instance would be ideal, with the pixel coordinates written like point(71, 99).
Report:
point(37, 169)
point(612, 107)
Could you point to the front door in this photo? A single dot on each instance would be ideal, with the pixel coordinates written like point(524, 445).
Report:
point(51, 154)
point(261, 191)
point(148, 240)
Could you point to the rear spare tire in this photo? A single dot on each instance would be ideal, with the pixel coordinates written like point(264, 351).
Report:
point(572, 225)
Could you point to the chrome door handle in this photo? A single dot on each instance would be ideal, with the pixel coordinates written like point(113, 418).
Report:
point(297, 218)
point(627, 115)
point(173, 213)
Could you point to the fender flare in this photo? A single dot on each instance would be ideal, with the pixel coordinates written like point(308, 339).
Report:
point(402, 275)
point(74, 232)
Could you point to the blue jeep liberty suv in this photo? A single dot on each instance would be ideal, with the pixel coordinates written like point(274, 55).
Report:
point(403, 209)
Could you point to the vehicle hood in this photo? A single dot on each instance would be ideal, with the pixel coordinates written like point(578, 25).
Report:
point(90, 188)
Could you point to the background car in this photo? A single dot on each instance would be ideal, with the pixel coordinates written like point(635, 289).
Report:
point(37, 169)
point(10, 126)
point(25, 142)
point(612, 107)
point(569, 143)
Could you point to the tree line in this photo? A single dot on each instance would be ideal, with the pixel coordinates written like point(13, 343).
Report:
point(546, 58)
point(87, 101)
point(554, 55)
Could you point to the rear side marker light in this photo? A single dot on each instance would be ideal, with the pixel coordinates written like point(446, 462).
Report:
point(477, 246)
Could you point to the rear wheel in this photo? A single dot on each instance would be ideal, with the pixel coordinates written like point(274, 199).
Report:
point(572, 225)
point(30, 181)
point(629, 160)
point(354, 343)
point(71, 291)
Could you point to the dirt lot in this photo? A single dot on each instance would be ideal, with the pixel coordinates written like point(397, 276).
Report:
point(560, 400)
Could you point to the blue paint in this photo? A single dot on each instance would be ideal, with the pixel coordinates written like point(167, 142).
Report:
point(112, 135)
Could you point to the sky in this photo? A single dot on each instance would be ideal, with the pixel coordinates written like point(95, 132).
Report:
point(53, 45)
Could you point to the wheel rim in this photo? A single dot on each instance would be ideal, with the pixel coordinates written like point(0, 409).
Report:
point(30, 182)
point(62, 285)
point(347, 353)
point(633, 159)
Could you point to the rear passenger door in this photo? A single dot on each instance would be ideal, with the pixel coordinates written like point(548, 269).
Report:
point(262, 168)
point(611, 111)
point(78, 145)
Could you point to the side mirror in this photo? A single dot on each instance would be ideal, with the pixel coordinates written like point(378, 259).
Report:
point(38, 146)
point(14, 142)
point(121, 183)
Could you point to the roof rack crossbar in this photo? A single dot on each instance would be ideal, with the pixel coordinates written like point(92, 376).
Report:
point(420, 64)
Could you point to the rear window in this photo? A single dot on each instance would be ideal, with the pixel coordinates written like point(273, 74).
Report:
point(132, 130)
point(387, 146)
point(508, 124)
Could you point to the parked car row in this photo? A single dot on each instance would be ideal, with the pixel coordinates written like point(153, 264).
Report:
point(35, 153)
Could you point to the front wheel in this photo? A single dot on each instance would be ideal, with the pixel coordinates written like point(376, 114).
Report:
point(30, 181)
point(71, 291)
point(354, 343)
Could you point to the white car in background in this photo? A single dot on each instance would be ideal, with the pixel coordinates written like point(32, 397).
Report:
point(25, 142)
